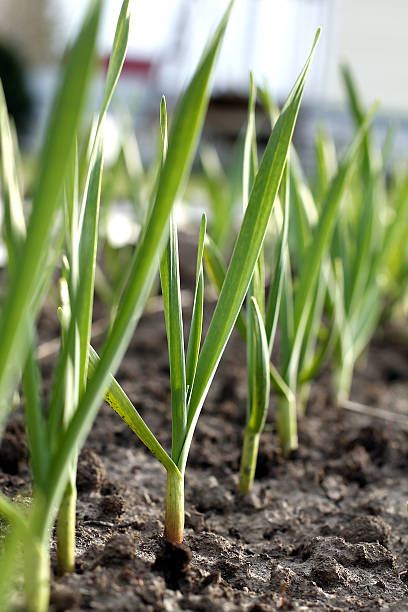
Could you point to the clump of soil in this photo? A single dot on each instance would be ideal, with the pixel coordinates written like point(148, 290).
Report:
point(173, 562)
point(13, 448)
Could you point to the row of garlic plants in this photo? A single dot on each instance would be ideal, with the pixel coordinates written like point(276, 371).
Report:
point(317, 285)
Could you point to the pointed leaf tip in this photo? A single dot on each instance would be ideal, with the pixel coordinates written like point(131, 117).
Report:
point(163, 106)
point(203, 224)
point(163, 118)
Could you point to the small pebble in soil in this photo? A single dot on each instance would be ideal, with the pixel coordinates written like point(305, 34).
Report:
point(356, 466)
point(404, 576)
point(334, 487)
point(280, 576)
point(213, 578)
point(233, 531)
point(120, 547)
point(212, 497)
point(91, 473)
point(112, 505)
point(127, 576)
point(63, 598)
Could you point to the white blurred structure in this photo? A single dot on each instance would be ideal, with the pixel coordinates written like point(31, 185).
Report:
point(371, 37)
point(271, 37)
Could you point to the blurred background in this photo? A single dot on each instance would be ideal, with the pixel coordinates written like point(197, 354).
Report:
point(270, 37)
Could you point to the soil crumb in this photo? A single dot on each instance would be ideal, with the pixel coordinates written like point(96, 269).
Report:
point(173, 561)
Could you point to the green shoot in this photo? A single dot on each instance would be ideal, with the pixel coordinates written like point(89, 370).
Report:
point(190, 381)
point(260, 386)
point(182, 141)
point(366, 243)
point(30, 246)
point(299, 301)
point(76, 316)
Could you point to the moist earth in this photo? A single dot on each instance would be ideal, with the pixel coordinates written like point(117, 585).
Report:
point(324, 530)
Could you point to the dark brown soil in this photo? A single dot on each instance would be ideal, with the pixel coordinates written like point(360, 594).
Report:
point(326, 530)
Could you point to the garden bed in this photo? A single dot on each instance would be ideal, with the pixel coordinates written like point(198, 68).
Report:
point(325, 530)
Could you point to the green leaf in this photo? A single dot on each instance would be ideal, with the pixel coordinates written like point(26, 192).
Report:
point(303, 212)
point(87, 247)
point(62, 387)
point(245, 254)
point(170, 282)
point(121, 404)
point(250, 162)
point(220, 189)
point(326, 162)
point(313, 328)
point(367, 321)
point(396, 229)
point(367, 233)
point(275, 292)
point(83, 246)
point(358, 114)
point(70, 377)
point(38, 442)
point(119, 47)
point(249, 170)
point(256, 285)
point(279, 384)
point(9, 562)
point(18, 310)
point(260, 385)
point(286, 310)
point(15, 232)
point(321, 237)
point(13, 515)
point(194, 339)
point(216, 270)
point(14, 221)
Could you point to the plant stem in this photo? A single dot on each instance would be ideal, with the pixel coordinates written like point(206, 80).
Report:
point(37, 574)
point(175, 507)
point(287, 424)
point(66, 528)
point(343, 379)
point(302, 398)
point(248, 460)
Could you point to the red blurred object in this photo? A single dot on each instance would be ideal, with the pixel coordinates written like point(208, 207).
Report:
point(136, 67)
